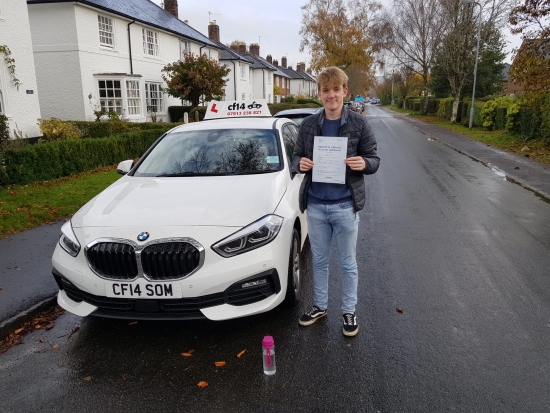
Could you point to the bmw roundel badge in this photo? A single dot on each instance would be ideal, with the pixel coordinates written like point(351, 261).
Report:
point(143, 236)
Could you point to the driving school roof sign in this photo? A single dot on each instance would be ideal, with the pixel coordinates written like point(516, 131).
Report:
point(237, 109)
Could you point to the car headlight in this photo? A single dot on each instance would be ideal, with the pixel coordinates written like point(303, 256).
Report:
point(68, 240)
point(252, 236)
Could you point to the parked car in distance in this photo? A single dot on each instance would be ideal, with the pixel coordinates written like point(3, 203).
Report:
point(205, 225)
point(297, 115)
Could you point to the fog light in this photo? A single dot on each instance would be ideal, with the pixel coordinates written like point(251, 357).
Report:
point(254, 283)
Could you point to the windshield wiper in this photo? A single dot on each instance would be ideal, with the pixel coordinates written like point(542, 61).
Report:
point(179, 174)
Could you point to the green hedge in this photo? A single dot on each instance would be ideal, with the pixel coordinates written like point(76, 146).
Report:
point(52, 160)
point(433, 105)
point(416, 105)
point(200, 109)
point(530, 123)
point(500, 117)
point(304, 101)
point(104, 129)
point(176, 112)
point(277, 107)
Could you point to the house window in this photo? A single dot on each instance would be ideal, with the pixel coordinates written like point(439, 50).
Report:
point(132, 95)
point(243, 70)
point(185, 48)
point(105, 31)
point(110, 96)
point(269, 78)
point(153, 97)
point(244, 96)
point(150, 43)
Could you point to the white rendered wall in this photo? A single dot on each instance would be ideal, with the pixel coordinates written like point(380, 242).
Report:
point(243, 85)
point(20, 106)
point(262, 90)
point(93, 61)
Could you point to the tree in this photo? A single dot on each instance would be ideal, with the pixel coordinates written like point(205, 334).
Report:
point(195, 77)
point(337, 33)
point(412, 33)
point(531, 64)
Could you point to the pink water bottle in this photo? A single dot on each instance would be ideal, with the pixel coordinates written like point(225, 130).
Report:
point(268, 353)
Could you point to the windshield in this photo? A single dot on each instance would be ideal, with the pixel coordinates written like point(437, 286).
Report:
point(213, 152)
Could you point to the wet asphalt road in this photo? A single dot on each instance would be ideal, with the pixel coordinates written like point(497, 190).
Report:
point(464, 254)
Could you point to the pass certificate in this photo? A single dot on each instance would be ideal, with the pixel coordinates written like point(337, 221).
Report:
point(329, 154)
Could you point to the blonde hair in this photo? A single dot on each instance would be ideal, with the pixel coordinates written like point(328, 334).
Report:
point(332, 76)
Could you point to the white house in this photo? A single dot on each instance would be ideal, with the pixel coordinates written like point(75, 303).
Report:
point(301, 82)
point(18, 100)
point(262, 74)
point(108, 54)
point(238, 84)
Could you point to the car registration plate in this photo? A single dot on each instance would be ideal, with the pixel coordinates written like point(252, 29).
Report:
point(143, 289)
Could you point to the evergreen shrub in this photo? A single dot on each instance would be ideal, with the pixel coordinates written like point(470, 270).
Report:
point(530, 123)
point(56, 159)
point(304, 101)
point(176, 112)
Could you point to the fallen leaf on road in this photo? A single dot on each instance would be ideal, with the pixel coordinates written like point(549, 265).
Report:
point(41, 340)
point(18, 330)
point(89, 378)
point(55, 346)
point(133, 323)
point(123, 377)
point(190, 351)
point(38, 327)
point(202, 384)
point(49, 327)
point(60, 365)
point(399, 310)
point(241, 353)
point(0, 288)
point(219, 363)
point(190, 367)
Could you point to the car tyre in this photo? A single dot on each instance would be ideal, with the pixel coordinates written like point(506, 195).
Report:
point(294, 281)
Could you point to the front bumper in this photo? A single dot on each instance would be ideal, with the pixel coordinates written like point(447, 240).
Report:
point(234, 300)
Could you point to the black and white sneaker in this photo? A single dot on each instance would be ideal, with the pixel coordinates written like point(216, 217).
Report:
point(312, 316)
point(350, 325)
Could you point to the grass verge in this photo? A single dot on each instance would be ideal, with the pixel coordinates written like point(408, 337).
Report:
point(534, 149)
point(28, 206)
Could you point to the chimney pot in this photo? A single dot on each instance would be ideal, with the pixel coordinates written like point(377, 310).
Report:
point(269, 58)
point(283, 62)
point(276, 63)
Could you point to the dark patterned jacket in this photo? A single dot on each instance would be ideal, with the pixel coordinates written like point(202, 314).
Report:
point(361, 142)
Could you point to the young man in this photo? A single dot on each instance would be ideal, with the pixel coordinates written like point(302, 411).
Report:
point(332, 209)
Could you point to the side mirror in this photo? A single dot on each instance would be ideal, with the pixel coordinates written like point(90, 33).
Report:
point(124, 167)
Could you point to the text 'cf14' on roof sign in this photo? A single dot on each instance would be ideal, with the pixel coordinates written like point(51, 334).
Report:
point(237, 109)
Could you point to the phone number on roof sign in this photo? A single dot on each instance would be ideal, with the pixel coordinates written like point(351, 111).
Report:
point(245, 113)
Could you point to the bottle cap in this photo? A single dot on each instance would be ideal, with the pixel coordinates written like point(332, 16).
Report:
point(268, 342)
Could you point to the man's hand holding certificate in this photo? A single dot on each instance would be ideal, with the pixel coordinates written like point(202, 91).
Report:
point(327, 161)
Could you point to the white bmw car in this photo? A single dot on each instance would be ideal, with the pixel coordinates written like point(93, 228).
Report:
point(205, 225)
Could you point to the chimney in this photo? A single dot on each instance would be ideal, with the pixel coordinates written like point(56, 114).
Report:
point(269, 58)
point(254, 49)
point(171, 6)
point(290, 67)
point(241, 49)
point(276, 63)
point(283, 62)
point(301, 67)
point(214, 32)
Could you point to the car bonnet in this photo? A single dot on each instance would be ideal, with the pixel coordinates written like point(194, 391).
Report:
point(232, 201)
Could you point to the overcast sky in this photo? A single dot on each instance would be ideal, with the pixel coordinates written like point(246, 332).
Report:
point(278, 20)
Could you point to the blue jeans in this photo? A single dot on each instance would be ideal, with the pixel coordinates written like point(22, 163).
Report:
point(324, 222)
